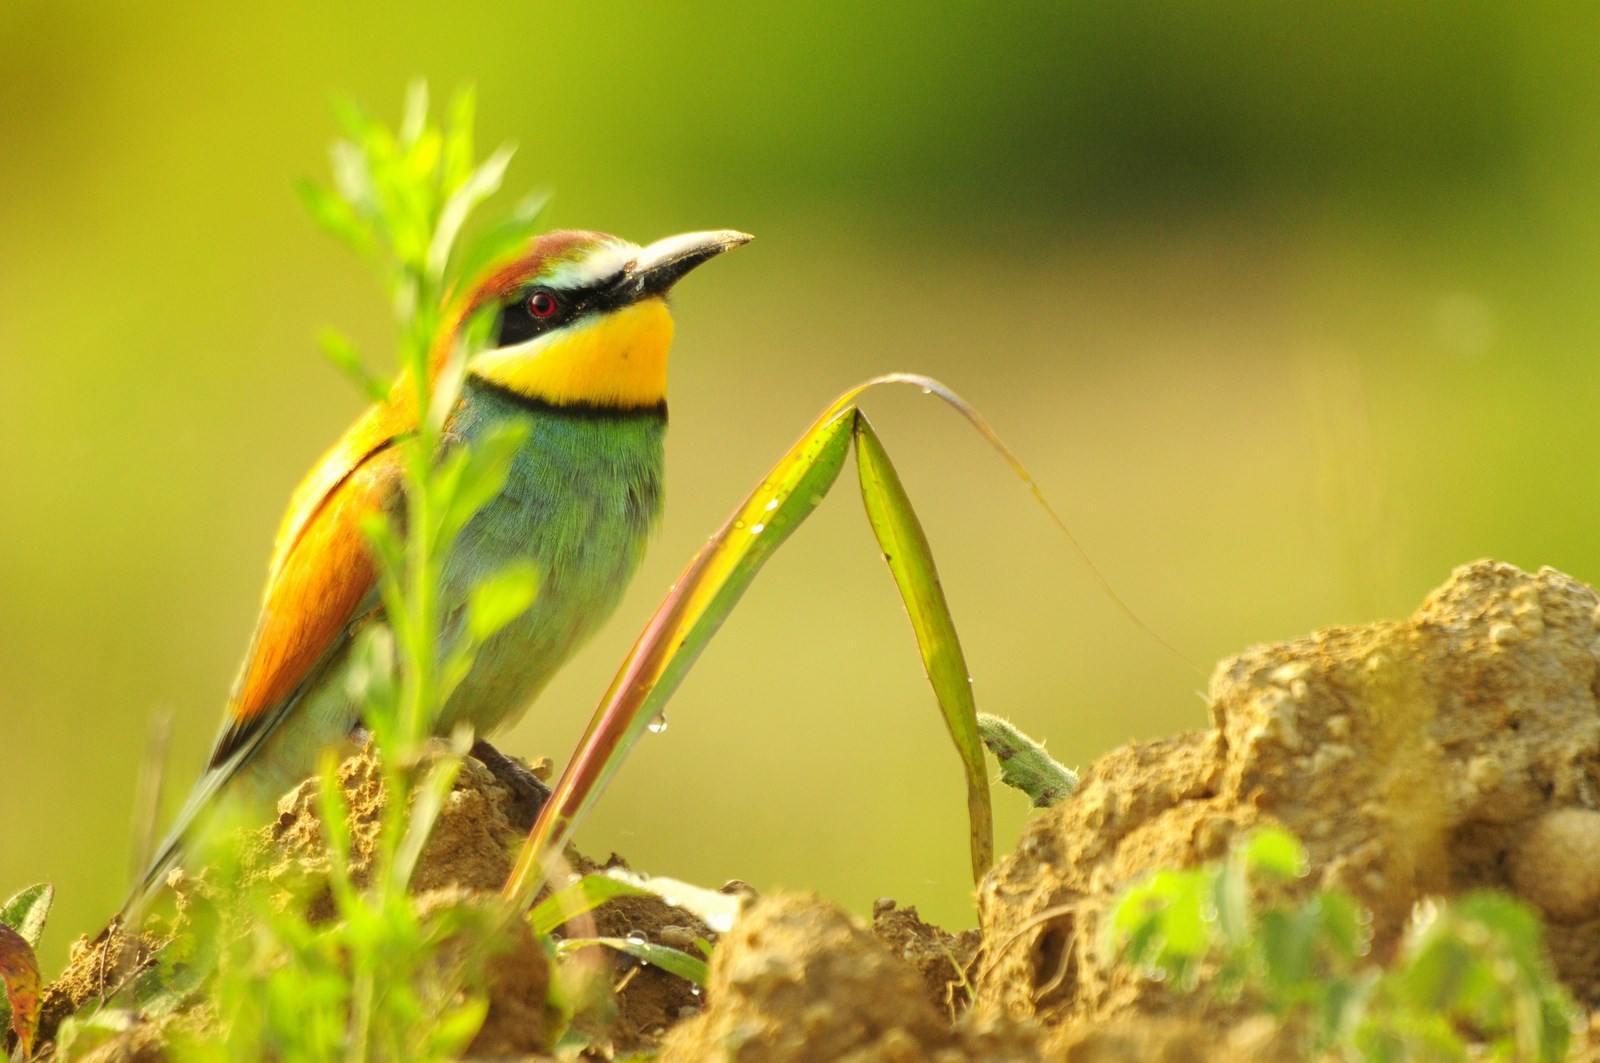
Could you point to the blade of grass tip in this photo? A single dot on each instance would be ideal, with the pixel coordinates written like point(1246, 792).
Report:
point(147, 792)
point(584, 895)
point(934, 387)
point(685, 620)
point(335, 827)
point(689, 968)
point(905, 548)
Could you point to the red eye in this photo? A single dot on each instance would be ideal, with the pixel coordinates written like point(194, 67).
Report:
point(542, 304)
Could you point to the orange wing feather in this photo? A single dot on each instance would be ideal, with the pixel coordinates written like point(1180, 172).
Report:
point(322, 571)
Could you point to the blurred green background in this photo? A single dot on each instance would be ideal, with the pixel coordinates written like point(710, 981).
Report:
point(1291, 308)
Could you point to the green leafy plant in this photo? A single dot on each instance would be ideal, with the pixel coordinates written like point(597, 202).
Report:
point(1469, 979)
point(381, 980)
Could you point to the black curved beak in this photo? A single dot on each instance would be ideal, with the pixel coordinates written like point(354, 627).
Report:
point(665, 262)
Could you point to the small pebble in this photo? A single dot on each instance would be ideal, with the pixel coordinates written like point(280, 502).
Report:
point(1557, 866)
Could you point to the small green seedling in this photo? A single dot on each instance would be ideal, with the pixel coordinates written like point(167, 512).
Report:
point(1469, 979)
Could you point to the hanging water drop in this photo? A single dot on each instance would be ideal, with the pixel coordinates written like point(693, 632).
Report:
point(658, 724)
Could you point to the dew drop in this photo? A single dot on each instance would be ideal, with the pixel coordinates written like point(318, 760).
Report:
point(738, 524)
point(772, 505)
point(927, 391)
point(757, 529)
point(658, 724)
point(636, 937)
point(694, 990)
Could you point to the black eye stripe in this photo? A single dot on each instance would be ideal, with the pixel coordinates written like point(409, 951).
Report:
point(518, 323)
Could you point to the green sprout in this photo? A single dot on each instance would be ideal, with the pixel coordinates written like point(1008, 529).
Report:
point(1469, 979)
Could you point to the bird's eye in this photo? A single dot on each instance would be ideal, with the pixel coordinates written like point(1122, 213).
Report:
point(542, 304)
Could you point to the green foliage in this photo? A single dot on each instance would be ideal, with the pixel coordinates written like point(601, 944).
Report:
point(380, 980)
point(21, 922)
point(707, 591)
point(1469, 979)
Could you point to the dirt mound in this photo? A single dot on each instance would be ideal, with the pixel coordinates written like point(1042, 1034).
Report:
point(1454, 750)
point(1457, 749)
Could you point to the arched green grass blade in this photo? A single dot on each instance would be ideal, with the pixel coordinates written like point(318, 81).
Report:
point(685, 621)
point(905, 548)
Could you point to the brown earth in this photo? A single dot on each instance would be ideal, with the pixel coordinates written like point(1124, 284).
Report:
point(1458, 749)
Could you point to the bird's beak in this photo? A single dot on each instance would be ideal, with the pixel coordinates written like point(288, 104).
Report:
point(663, 263)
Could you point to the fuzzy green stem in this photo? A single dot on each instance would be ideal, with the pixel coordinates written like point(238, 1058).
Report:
point(1024, 765)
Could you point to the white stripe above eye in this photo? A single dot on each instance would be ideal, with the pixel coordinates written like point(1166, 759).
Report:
point(601, 264)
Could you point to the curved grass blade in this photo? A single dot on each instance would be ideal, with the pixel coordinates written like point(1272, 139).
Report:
point(682, 625)
point(584, 895)
point(689, 968)
point(910, 560)
point(709, 588)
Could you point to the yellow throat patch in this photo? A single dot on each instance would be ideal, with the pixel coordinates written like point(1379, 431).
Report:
point(618, 359)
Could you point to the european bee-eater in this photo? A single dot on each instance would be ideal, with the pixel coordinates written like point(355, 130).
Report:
point(578, 354)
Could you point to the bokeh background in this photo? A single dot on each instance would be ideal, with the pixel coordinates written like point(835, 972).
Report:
point(1291, 308)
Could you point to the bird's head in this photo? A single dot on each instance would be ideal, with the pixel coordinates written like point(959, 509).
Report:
point(581, 318)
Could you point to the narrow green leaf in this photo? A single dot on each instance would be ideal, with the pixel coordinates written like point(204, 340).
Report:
point(500, 241)
point(584, 895)
point(352, 178)
point(481, 183)
point(338, 349)
point(336, 217)
point(19, 970)
point(458, 145)
point(483, 472)
point(414, 117)
point(680, 628)
point(353, 119)
point(685, 966)
point(27, 910)
point(910, 559)
point(335, 815)
point(715, 909)
point(499, 599)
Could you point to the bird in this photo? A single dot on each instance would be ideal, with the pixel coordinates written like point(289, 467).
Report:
point(577, 354)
